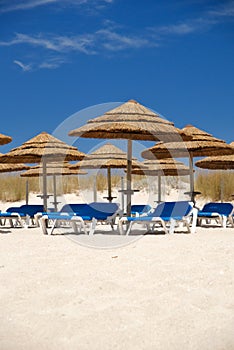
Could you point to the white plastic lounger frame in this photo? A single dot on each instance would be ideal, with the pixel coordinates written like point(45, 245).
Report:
point(154, 220)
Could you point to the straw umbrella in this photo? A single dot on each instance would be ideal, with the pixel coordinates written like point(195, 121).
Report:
point(5, 139)
point(131, 121)
point(106, 157)
point(53, 169)
point(218, 163)
point(43, 148)
point(162, 167)
point(202, 144)
point(5, 168)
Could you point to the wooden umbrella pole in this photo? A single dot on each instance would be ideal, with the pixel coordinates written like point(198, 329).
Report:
point(95, 190)
point(129, 177)
point(109, 184)
point(191, 175)
point(122, 193)
point(221, 189)
point(55, 193)
point(159, 188)
point(44, 184)
point(27, 192)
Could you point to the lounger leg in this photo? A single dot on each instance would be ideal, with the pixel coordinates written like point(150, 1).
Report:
point(224, 221)
point(92, 226)
point(120, 227)
point(194, 220)
point(42, 224)
point(172, 226)
point(165, 227)
point(74, 226)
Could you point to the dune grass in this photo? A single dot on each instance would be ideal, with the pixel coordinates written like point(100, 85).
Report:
point(12, 187)
point(211, 183)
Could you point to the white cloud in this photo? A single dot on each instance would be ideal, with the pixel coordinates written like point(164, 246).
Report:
point(25, 67)
point(225, 10)
point(89, 44)
point(17, 5)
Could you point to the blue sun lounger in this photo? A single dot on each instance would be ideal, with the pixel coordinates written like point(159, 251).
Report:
point(140, 209)
point(80, 215)
point(166, 213)
point(220, 212)
point(21, 215)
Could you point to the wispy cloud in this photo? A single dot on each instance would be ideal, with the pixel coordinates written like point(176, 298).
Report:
point(111, 38)
point(16, 5)
point(24, 67)
point(90, 43)
point(205, 21)
point(50, 63)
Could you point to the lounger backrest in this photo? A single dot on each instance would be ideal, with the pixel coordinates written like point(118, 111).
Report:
point(140, 208)
point(78, 209)
point(101, 211)
point(31, 209)
point(13, 210)
point(220, 208)
point(172, 209)
point(98, 210)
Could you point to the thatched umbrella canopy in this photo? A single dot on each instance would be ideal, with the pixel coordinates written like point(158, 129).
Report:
point(202, 144)
point(53, 169)
point(217, 162)
point(131, 121)
point(42, 148)
point(162, 167)
point(5, 168)
point(107, 157)
point(5, 139)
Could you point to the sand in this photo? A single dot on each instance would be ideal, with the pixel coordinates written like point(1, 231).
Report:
point(159, 292)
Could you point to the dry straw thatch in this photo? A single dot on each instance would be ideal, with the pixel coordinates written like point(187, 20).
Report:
point(202, 144)
point(41, 146)
point(132, 121)
point(165, 167)
point(217, 162)
point(53, 169)
point(107, 156)
point(4, 139)
point(5, 168)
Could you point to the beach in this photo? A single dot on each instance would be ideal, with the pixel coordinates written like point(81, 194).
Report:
point(159, 292)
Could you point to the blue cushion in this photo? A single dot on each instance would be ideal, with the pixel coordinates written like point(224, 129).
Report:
point(220, 208)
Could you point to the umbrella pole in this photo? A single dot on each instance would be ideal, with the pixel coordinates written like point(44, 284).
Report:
point(44, 184)
point(55, 193)
point(159, 189)
point(122, 192)
point(221, 189)
point(27, 193)
point(109, 184)
point(191, 176)
point(129, 177)
point(94, 190)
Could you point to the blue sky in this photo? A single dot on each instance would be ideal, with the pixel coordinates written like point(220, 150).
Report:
point(58, 57)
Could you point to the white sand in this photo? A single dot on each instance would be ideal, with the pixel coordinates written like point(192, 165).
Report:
point(160, 292)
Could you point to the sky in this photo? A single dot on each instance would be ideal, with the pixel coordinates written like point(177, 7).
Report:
point(60, 57)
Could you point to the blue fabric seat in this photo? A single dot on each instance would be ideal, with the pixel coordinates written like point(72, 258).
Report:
point(220, 212)
point(140, 209)
point(82, 213)
point(167, 212)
